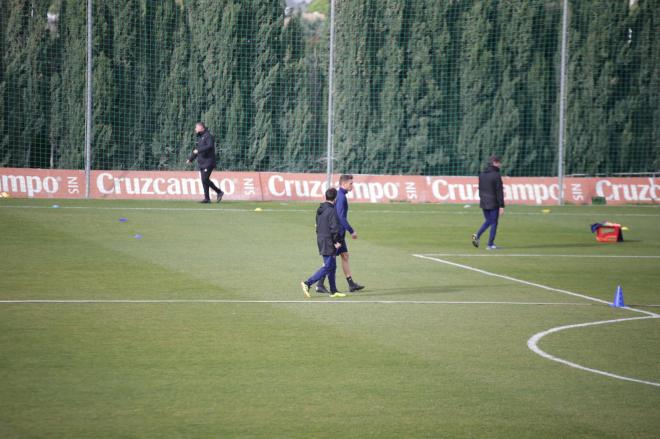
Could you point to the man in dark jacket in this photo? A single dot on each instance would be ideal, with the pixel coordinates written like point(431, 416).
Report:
point(205, 154)
point(328, 240)
point(491, 194)
point(341, 206)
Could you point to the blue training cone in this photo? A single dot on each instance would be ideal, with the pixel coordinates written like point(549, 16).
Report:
point(618, 298)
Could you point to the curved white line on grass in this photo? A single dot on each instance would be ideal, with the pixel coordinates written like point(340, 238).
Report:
point(532, 344)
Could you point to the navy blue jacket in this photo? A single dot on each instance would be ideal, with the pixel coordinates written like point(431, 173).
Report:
point(327, 229)
point(341, 205)
point(205, 151)
point(491, 189)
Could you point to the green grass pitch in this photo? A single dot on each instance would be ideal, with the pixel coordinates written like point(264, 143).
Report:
point(199, 328)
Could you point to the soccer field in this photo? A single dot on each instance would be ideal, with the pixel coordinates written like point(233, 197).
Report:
point(187, 320)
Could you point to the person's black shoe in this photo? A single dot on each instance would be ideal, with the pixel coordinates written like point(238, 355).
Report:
point(218, 197)
point(355, 287)
point(320, 288)
point(205, 201)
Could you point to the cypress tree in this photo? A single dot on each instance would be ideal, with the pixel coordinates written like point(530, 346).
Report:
point(296, 121)
point(598, 104)
point(478, 71)
point(265, 138)
point(68, 87)
point(424, 101)
point(26, 84)
point(513, 54)
point(352, 115)
point(105, 152)
point(172, 133)
point(4, 134)
point(129, 84)
point(639, 66)
point(538, 154)
point(385, 144)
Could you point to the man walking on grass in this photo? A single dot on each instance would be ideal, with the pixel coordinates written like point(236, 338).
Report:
point(205, 155)
point(345, 186)
point(491, 194)
point(328, 241)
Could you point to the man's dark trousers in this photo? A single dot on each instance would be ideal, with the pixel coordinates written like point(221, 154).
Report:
point(207, 183)
point(329, 269)
point(491, 216)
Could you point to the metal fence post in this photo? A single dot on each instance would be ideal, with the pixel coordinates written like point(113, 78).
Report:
point(331, 69)
point(88, 115)
point(562, 102)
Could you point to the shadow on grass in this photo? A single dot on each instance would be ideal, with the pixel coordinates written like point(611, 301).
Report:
point(437, 290)
point(575, 245)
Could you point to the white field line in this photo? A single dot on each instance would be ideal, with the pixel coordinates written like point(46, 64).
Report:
point(532, 284)
point(531, 255)
point(532, 343)
point(312, 206)
point(513, 279)
point(229, 301)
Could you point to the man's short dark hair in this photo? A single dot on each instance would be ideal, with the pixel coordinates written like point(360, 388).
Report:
point(331, 194)
point(494, 159)
point(345, 177)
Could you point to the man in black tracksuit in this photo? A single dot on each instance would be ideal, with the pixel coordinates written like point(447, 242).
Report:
point(205, 154)
point(491, 194)
point(328, 240)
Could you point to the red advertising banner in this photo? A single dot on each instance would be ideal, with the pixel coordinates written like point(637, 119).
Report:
point(273, 186)
point(172, 185)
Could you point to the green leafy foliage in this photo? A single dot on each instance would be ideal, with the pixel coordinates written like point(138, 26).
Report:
point(421, 87)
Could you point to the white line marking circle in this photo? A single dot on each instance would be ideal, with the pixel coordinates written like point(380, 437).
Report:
point(532, 343)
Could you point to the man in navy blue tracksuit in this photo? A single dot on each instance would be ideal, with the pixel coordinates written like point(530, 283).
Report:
point(328, 240)
point(204, 152)
point(491, 194)
point(341, 205)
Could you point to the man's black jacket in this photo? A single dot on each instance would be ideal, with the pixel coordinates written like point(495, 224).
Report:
point(491, 190)
point(327, 229)
point(205, 151)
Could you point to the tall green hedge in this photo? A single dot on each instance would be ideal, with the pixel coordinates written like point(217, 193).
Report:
point(421, 87)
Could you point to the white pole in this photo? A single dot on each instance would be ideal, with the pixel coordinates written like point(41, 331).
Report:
point(331, 69)
point(562, 102)
point(88, 115)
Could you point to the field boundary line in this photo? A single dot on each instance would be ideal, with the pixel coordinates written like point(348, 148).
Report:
point(275, 302)
point(532, 284)
point(513, 279)
point(539, 255)
point(532, 344)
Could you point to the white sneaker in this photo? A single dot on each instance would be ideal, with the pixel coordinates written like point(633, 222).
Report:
point(492, 247)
